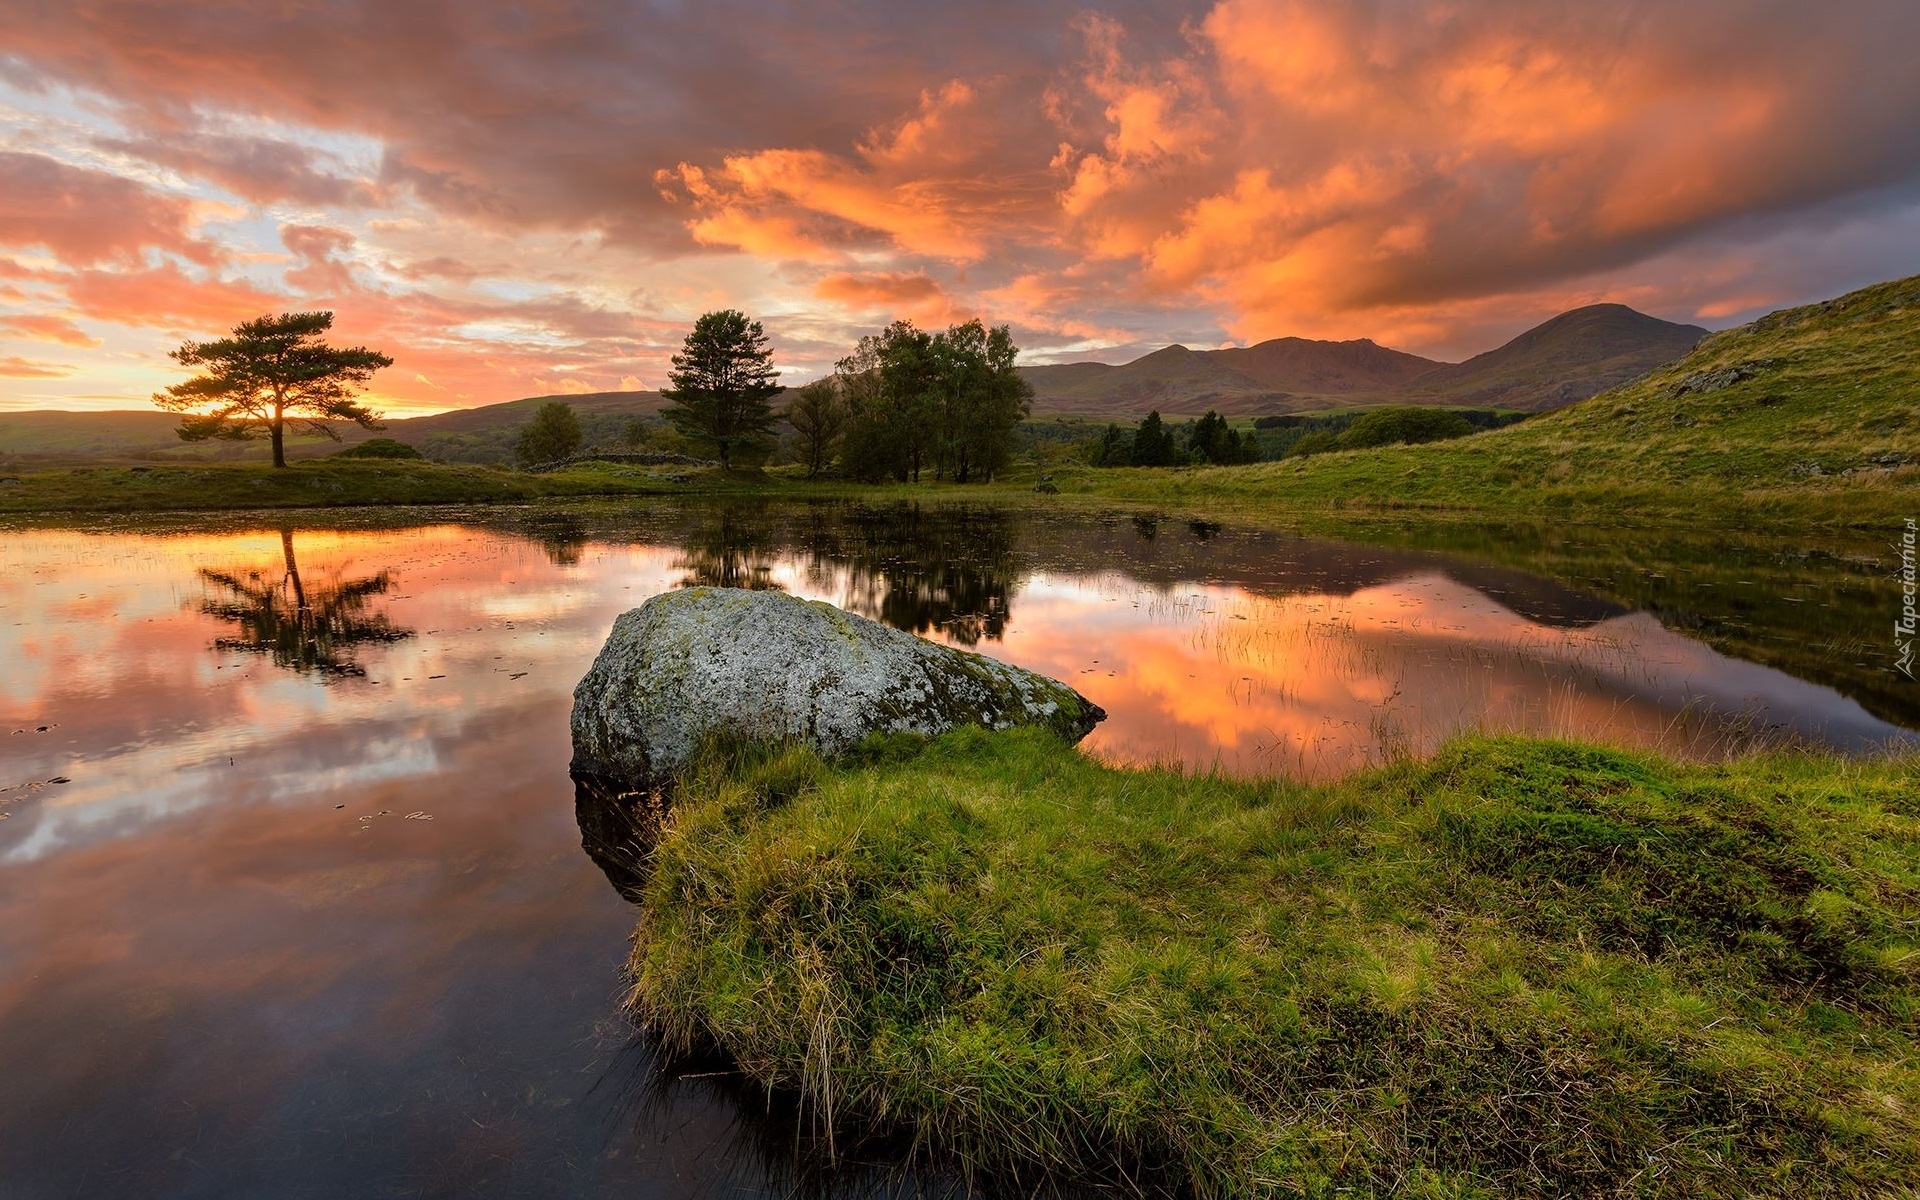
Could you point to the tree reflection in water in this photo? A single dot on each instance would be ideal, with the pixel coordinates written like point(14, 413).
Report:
point(562, 535)
point(917, 569)
point(949, 568)
point(303, 628)
point(733, 548)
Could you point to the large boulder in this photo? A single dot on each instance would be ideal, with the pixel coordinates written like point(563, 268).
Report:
point(767, 666)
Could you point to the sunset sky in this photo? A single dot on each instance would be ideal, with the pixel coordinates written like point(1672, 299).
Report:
point(522, 199)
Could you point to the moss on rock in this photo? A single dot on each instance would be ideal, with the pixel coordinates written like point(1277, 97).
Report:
point(768, 667)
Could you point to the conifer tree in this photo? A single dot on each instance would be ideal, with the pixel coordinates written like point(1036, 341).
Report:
point(723, 383)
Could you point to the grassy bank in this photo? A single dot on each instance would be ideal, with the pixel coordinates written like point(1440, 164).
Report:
point(1522, 968)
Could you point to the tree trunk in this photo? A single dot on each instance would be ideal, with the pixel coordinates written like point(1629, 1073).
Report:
point(302, 615)
point(279, 444)
point(723, 457)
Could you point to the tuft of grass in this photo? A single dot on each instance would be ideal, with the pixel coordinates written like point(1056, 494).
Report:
point(1520, 968)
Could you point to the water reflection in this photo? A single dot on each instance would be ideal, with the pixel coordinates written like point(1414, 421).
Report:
point(299, 626)
point(730, 546)
point(618, 829)
point(289, 930)
point(921, 569)
point(562, 535)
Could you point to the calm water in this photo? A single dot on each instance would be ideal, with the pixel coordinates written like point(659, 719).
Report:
point(300, 910)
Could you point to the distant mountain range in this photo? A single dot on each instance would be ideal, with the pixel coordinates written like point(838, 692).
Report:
point(1575, 355)
point(1568, 358)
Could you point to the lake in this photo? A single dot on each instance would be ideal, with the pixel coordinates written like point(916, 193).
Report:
point(292, 894)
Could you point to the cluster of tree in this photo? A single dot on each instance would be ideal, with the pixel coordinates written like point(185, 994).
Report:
point(906, 401)
point(1392, 426)
point(381, 448)
point(1156, 444)
point(1300, 434)
point(913, 401)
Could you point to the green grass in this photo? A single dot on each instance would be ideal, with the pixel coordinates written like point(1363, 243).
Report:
point(336, 482)
point(1521, 968)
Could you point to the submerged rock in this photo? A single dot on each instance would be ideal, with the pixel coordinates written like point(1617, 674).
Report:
point(767, 666)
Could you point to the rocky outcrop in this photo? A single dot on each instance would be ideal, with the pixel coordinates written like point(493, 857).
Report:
point(766, 666)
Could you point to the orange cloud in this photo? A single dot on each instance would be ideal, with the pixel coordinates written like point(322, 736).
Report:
point(167, 297)
point(43, 328)
point(26, 368)
point(927, 184)
point(906, 294)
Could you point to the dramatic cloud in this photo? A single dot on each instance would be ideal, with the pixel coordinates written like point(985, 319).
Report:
point(512, 198)
point(85, 217)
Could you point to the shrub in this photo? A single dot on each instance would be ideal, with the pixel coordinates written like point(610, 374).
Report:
point(380, 448)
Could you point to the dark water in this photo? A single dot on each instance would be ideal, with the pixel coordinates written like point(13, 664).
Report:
point(292, 897)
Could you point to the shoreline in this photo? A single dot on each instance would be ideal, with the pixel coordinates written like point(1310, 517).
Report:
point(1249, 495)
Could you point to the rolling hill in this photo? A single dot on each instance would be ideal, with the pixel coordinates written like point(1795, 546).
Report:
point(1575, 355)
point(485, 434)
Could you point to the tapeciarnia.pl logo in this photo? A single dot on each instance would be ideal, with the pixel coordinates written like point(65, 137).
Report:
point(1903, 627)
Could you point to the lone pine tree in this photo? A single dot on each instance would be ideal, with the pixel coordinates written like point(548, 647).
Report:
point(723, 383)
point(270, 371)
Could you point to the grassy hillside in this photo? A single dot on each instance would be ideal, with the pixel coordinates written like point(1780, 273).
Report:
point(489, 434)
point(1810, 413)
point(53, 437)
point(1031, 961)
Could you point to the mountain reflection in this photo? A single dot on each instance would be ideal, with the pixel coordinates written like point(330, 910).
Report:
point(302, 627)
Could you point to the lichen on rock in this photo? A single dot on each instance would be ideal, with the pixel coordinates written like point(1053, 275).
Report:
point(767, 666)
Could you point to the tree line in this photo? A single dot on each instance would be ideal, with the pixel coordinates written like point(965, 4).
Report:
point(906, 403)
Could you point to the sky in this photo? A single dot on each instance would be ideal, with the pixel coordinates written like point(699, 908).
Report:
point(540, 197)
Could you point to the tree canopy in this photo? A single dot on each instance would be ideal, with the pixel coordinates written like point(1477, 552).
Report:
point(1153, 443)
point(1385, 426)
point(269, 371)
point(818, 415)
point(722, 384)
point(1213, 440)
point(553, 434)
